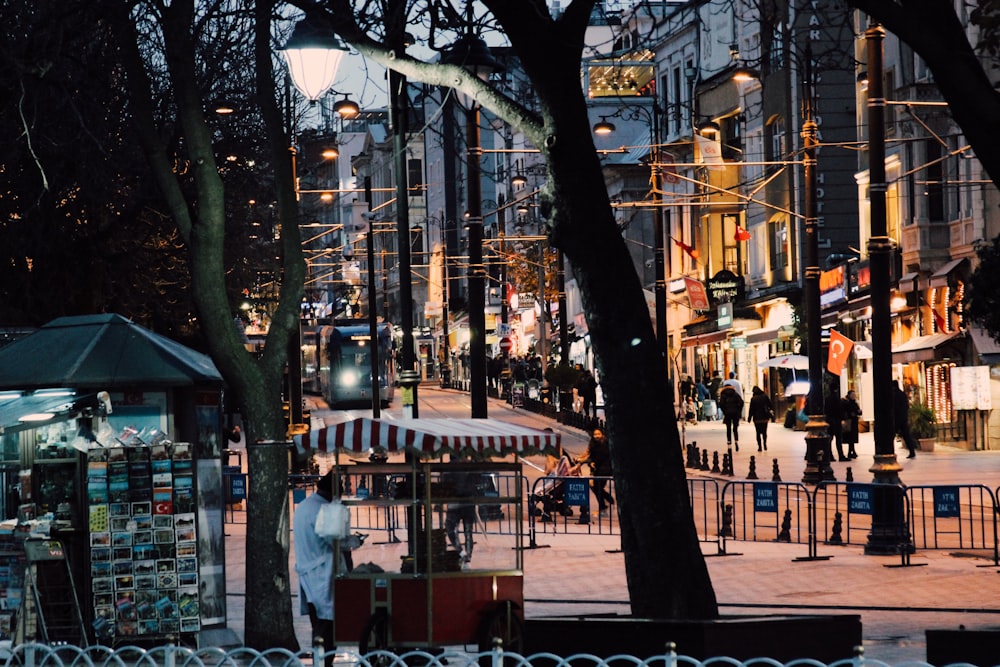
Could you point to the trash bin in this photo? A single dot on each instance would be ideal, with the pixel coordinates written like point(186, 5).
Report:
point(708, 410)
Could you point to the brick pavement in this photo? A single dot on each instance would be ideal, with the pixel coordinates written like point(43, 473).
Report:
point(583, 574)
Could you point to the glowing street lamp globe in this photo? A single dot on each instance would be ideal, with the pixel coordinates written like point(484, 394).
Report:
point(313, 53)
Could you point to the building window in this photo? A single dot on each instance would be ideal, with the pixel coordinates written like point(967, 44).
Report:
point(777, 239)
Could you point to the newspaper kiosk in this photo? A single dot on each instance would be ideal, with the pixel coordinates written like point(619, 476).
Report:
point(421, 581)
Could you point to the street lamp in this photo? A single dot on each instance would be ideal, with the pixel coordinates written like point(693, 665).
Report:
point(313, 53)
point(889, 532)
point(818, 452)
point(471, 53)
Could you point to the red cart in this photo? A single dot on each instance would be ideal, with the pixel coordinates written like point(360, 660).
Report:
point(421, 580)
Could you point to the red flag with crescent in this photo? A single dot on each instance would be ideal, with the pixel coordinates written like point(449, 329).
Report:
point(840, 349)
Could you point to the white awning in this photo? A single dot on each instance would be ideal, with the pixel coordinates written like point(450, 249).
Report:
point(429, 437)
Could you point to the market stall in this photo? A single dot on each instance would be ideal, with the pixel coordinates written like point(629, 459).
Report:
point(108, 433)
point(418, 581)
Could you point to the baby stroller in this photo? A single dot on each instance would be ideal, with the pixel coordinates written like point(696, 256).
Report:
point(549, 502)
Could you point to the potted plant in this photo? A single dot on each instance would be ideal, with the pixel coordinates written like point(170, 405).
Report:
point(922, 420)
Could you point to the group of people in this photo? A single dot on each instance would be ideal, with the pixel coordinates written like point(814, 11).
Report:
point(842, 416)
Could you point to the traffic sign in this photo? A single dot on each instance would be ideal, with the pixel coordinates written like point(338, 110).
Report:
point(506, 344)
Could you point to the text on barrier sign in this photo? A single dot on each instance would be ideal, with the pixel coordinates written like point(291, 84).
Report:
point(859, 498)
point(765, 497)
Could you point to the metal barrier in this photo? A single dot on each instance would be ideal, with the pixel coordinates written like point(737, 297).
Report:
point(752, 503)
point(705, 509)
point(954, 516)
point(843, 512)
point(562, 505)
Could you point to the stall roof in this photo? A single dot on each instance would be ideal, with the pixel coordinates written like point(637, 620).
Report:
point(429, 436)
point(14, 408)
point(101, 351)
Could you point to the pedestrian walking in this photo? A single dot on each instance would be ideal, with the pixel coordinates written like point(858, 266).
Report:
point(586, 389)
point(714, 385)
point(851, 411)
point(731, 404)
point(834, 415)
point(901, 410)
point(463, 484)
point(734, 383)
point(598, 455)
point(761, 413)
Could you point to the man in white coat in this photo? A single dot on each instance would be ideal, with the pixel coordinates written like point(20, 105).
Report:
point(314, 563)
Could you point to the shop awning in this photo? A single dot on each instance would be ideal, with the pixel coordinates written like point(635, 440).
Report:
point(704, 339)
point(59, 406)
point(920, 348)
point(940, 277)
point(908, 282)
point(986, 346)
point(762, 335)
point(101, 351)
point(429, 437)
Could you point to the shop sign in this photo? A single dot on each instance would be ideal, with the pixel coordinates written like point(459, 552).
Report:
point(726, 286)
point(860, 278)
point(725, 318)
point(832, 286)
point(697, 296)
point(738, 342)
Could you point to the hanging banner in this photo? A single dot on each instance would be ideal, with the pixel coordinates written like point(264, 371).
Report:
point(709, 152)
point(697, 295)
point(840, 349)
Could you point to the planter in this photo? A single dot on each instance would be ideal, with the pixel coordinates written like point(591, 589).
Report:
point(823, 637)
point(926, 444)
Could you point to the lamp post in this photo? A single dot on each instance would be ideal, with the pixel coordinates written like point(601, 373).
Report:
point(818, 452)
point(889, 530)
point(471, 53)
point(313, 54)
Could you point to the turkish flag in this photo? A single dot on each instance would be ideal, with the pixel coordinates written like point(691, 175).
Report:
point(741, 234)
point(691, 252)
point(840, 349)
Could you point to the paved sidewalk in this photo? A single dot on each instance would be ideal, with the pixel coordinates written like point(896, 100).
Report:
point(579, 574)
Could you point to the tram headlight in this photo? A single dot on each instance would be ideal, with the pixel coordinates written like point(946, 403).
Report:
point(349, 378)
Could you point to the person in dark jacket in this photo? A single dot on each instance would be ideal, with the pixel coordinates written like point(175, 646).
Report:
point(760, 412)
point(731, 405)
point(598, 455)
point(834, 415)
point(851, 412)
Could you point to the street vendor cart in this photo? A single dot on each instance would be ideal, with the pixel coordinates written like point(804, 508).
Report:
point(422, 578)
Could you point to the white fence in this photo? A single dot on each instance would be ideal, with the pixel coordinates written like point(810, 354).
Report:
point(40, 655)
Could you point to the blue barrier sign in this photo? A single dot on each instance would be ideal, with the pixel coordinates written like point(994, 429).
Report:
point(946, 502)
point(577, 493)
point(237, 490)
point(859, 499)
point(765, 497)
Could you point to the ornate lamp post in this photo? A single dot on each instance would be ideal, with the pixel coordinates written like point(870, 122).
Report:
point(818, 452)
point(313, 53)
point(889, 531)
point(471, 53)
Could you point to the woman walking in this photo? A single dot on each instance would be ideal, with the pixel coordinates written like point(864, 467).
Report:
point(851, 411)
point(760, 412)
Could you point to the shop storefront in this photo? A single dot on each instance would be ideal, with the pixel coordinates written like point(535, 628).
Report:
point(111, 443)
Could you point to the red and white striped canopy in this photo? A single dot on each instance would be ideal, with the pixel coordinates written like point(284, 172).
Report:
point(428, 436)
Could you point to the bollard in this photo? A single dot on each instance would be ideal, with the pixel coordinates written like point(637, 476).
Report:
point(727, 464)
point(850, 475)
point(704, 460)
point(775, 475)
point(786, 527)
point(753, 468)
point(727, 521)
point(715, 462)
point(836, 532)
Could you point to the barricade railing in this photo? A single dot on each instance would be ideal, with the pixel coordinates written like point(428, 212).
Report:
point(843, 512)
point(954, 516)
point(563, 505)
point(705, 509)
point(757, 511)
